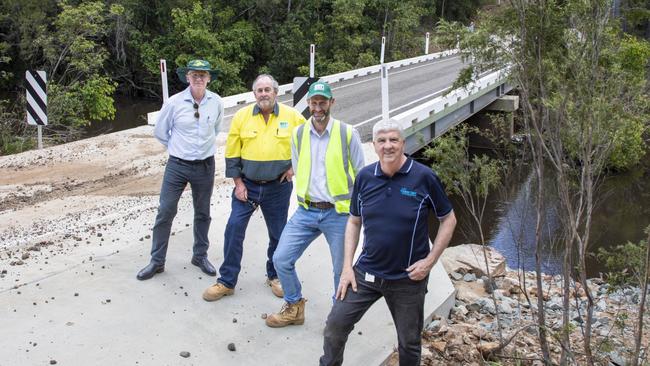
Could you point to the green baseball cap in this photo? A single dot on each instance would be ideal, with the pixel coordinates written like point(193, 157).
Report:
point(320, 88)
point(196, 65)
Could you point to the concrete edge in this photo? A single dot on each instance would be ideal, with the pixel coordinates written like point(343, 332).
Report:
point(439, 281)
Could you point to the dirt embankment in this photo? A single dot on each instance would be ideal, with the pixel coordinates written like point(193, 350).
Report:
point(53, 200)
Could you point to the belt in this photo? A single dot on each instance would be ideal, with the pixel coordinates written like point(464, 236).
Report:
point(321, 205)
point(194, 161)
point(260, 182)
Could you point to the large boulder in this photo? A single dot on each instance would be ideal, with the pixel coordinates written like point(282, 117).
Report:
point(468, 258)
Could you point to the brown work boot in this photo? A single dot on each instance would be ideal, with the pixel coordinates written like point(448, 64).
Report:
point(276, 287)
point(217, 291)
point(289, 314)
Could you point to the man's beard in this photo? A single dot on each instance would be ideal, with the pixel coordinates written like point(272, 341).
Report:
point(321, 118)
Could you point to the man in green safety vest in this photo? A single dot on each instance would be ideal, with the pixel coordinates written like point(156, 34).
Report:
point(326, 155)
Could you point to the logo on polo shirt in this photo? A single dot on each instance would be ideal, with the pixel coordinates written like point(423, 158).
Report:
point(284, 124)
point(406, 192)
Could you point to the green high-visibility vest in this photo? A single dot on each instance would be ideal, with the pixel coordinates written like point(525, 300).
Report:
point(338, 169)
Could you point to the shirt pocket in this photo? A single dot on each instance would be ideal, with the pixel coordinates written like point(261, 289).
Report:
point(248, 134)
point(283, 130)
point(283, 133)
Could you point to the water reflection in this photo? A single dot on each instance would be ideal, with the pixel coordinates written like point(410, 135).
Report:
point(621, 214)
point(514, 234)
point(130, 112)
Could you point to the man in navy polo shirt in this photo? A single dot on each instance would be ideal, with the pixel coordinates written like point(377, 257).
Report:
point(392, 198)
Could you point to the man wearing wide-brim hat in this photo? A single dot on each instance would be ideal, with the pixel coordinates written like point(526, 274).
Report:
point(187, 125)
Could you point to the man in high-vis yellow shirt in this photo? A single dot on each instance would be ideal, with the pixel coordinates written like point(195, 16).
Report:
point(326, 156)
point(258, 159)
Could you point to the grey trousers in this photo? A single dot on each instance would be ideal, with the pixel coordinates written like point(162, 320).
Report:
point(178, 173)
point(405, 300)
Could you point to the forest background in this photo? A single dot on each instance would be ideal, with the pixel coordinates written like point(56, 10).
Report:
point(95, 50)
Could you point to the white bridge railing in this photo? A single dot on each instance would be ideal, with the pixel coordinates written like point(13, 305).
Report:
point(440, 103)
point(248, 97)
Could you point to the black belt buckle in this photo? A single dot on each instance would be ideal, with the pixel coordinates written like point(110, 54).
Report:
point(320, 205)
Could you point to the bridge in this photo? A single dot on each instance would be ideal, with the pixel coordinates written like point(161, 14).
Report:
point(420, 99)
point(85, 305)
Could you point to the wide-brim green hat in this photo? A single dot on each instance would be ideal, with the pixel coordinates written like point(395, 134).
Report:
point(197, 65)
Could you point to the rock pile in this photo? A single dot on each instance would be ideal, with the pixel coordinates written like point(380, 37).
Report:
point(472, 334)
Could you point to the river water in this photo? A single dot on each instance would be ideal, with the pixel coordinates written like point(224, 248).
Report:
point(622, 213)
point(130, 112)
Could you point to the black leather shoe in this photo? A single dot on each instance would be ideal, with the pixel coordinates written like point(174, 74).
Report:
point(205, 266)
point(150, 270)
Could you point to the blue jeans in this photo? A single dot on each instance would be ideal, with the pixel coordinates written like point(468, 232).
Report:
point(304, 226)
point(405, 300)
point(273, 199)
point(200, 176)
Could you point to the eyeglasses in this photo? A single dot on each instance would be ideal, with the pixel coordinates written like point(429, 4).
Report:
point(196, 110)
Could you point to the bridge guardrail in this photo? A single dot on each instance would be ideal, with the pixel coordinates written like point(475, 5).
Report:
point(429, 120)
point(248, 97)
point(426, 110)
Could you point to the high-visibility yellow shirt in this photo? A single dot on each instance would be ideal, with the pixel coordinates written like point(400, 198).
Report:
point(260, 150)
point(338, 165)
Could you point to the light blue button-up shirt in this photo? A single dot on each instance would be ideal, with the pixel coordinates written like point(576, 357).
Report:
point(318, 191)
point(185, 136)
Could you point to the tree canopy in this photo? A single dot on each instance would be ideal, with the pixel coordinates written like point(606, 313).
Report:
point(92, 49)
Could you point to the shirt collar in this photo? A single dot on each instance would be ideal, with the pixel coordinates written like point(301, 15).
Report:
point(404, 169)
point(276, 109)
point(187, 95)
point(328, 128)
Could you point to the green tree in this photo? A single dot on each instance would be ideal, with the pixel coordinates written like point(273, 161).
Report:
point(583, 86)
point(208, 33)
point(470, 177)
point(73, 54)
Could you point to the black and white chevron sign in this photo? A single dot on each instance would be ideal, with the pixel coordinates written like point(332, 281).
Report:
point(36, 97)
point(300, 89)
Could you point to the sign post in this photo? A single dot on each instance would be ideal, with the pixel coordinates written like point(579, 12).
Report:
point(37, 101)
point(384, 82)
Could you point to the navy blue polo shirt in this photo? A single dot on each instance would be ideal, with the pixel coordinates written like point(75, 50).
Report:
point(394, 212)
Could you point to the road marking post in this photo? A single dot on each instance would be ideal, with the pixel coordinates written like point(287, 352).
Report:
point(426, 44)
point(312, 59)
point(152, 117)
point(36, 89)
point(163, 75)
point(384, 82)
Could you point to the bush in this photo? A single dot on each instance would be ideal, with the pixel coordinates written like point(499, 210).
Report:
point(15, 135)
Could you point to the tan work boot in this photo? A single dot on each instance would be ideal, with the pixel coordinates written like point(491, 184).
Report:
point(217, 291)
point(276, 287)
point(288, 315)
